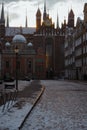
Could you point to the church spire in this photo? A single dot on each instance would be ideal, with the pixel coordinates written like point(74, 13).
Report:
point(57, 21)
point(44, 6)
point(44, 14)
point(2, 22)
point(26, 24)
point(2, 13)
point(7, 19)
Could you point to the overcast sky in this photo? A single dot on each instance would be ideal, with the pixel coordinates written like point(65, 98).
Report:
point(17, 10)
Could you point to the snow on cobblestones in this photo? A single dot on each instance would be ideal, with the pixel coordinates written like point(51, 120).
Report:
point(11, 118)
point(63, 106)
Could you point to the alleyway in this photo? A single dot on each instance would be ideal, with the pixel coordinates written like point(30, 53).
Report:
point(63, 106)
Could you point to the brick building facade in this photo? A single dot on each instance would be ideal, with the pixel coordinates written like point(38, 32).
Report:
point(41, 49)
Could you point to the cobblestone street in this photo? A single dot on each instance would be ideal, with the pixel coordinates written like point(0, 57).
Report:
point(63, 106)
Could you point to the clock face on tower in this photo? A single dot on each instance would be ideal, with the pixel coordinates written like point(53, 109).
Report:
point(48, 22)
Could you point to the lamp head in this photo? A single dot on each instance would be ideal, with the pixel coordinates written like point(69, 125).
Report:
point(16, 50)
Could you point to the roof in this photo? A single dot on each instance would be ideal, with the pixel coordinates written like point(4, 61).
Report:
point(7, 44)
point(29, 44)
point(38, 12)
point(12, 31)
point(71, 13)
point(19, 38)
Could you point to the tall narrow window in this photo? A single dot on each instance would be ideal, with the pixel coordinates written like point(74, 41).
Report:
point(29, 64)
point(7, 64)
point(49, 53)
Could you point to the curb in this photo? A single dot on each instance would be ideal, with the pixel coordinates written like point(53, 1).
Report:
point(37, 99)
point(77, 81)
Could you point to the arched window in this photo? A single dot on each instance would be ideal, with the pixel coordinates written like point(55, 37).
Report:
point(49, 53)
point(7, 64)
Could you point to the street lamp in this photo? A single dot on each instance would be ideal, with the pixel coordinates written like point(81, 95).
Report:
point(16, 52)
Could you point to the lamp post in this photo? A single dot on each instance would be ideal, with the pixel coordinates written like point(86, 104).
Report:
point(16, 52)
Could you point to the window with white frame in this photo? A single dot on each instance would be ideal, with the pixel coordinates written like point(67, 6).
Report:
point(78, 52)
point(73, 59)
point(78, 63)
point(78, 42)
point(66, 44)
